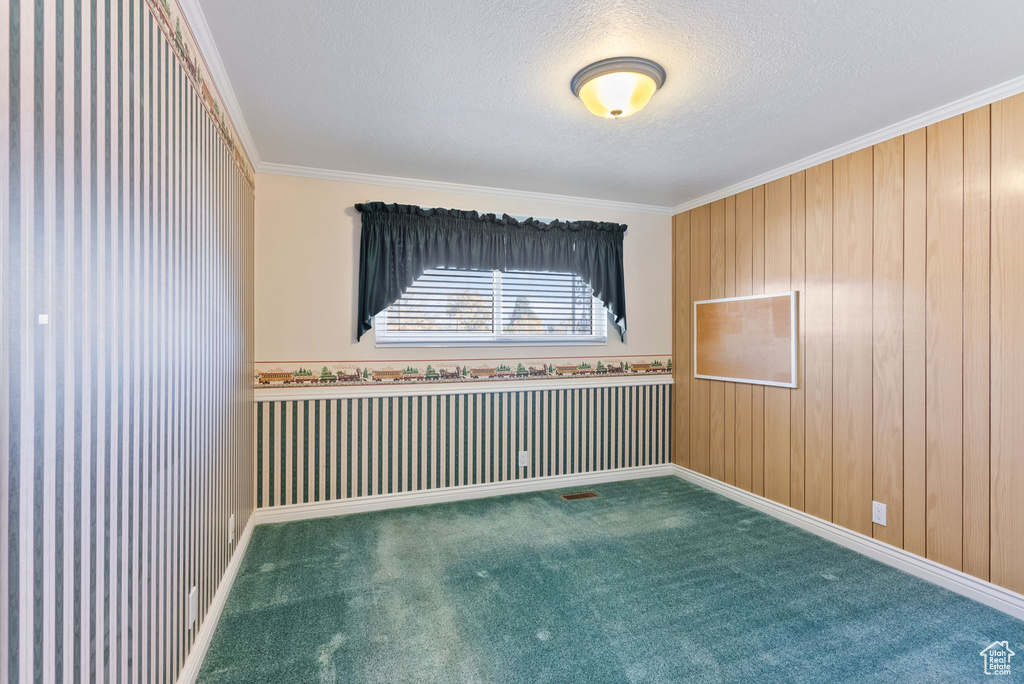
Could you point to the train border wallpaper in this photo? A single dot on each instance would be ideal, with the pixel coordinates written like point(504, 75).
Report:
point(269, 374)
point(178, 33)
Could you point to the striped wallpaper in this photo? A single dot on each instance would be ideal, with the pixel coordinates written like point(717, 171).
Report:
point(331, 449)
point(126, 335)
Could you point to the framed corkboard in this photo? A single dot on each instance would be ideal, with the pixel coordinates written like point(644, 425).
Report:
point(746, 339)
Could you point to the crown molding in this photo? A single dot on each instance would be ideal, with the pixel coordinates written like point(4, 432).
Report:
point(441, 186)
point(1014, 86)
point(211, 55)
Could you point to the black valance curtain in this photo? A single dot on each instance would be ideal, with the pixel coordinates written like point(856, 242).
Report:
point(400, 241)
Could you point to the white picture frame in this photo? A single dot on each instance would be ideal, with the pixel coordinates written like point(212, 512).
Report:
point(793, 336)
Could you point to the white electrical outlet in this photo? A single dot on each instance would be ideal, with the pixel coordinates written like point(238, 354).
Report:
point(524, 459)
point(193, 606)
point(878, 513)
point(231, 528)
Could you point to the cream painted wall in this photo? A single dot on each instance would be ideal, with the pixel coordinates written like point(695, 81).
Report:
point(306, 261)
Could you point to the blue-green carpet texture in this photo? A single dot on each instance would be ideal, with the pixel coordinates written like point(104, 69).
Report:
point(657, 580)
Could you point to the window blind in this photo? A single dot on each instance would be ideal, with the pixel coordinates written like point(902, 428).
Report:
point(470, 306)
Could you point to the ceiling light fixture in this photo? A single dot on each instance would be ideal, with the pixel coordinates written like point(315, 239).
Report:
point(617, 87)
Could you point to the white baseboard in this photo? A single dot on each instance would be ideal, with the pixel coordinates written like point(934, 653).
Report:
point(381, 501)
point(194, 661)
point(992, 595)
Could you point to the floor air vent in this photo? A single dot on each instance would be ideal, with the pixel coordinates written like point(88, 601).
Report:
point(580, 495)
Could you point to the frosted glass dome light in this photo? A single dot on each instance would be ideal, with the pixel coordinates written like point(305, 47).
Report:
point(617, 87)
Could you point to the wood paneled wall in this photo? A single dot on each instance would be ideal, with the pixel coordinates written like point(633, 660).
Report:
point(126, 422)
point(909, 260)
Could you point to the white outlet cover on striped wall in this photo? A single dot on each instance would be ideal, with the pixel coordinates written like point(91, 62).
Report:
point(193, 606)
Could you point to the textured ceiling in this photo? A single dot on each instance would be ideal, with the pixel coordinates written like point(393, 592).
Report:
point(477, 92)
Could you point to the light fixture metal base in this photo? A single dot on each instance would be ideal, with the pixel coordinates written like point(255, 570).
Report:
point(616, 64)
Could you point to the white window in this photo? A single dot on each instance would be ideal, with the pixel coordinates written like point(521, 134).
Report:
point(446, 307)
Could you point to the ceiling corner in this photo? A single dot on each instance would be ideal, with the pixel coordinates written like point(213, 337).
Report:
point(193, 13)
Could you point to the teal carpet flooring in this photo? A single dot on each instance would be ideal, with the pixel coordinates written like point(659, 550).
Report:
point(657, 580)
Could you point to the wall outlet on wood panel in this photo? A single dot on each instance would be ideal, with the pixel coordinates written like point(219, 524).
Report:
point(231, 529)
point(878, 513)
point(193, 606)
point(524, 459)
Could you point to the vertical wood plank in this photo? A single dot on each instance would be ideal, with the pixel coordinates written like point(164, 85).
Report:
point(818, 342)
point(730, 387)
point(944, 343)
point(757, 391)
point(700, 288)
point(777, 409)
point(744, 279)
point(798, 268)
point(1007, 466)
point(914, 335)
point(851, 343)
point(887, 326)
point(682, 358)
point(906, 259)
point(717, 389)
point(977, 206)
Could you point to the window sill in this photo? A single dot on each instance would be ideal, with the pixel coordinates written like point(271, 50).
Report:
point(496, 344)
